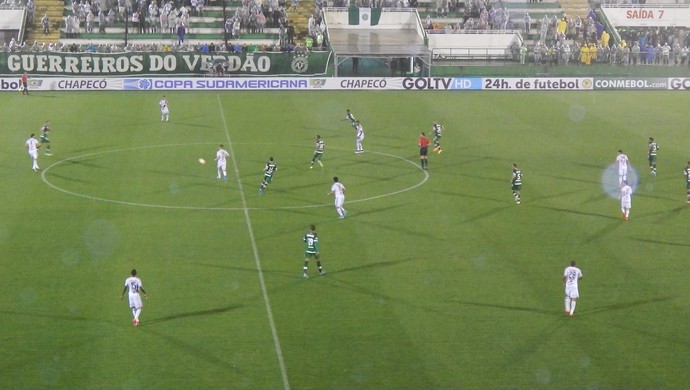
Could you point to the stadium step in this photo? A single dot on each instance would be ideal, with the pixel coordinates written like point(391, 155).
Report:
point(54, 11)
point(299, 17)
point(574, 8)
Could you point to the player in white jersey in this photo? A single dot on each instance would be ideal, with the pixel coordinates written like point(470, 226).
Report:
point(359, 137)
point(623, 162)
point(221, 163)
point(32, 146)
point(165, 112)
point(338, 189)
point(626, 200)
point(571, 276)
point(133, 286)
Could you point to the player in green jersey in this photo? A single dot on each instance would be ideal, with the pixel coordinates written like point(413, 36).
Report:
point(686, 173)
point(653, 149)
point(351, 118)
point(45, 129)
point(438, 133)
point(269, 169)
point(311, 251)
point(318, 152)
point(516, 183)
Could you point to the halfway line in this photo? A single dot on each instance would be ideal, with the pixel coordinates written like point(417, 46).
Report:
point(257, 260)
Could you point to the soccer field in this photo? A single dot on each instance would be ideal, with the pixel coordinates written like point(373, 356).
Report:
point(435, 280)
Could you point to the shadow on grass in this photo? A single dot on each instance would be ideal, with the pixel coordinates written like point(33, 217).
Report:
point(70, 179)
point(400, 228)
point(160, 172)
point(552, 196)
point(665, 215)
point(379, 264)
point(349, 285)
point(597, 198)
point(641, 194)
point(191, 124)
point(603, 232)
point(658, 241)
point(52, 316)
point(507, 307)
point(595, 166)
point(86, 162)
point(93, 149)
point(198, 313)
point(487, 214)
point(471, 196)
point(577, 212)
point(233, 268)
point(190, 349)
point(378, 210)
point(623, 305)
point(572, 179)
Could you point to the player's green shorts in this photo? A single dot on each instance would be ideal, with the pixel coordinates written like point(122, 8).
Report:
point(268, 178)
point(652, 159)
point(688, 185)
point(311, 255)
point(516, 187)
point(317, 156)
point(44, 140)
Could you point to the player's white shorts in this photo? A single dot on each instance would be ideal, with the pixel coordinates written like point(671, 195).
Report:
point(626, 203)
point(622, 171)
point(33, 154)
point(571, 292)
point(339, 201)
point(222, 165)
point(165, 111)
point(135, 301)
point(360, 137)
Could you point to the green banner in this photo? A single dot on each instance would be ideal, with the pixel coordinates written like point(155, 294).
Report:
point(364, 17)
point(162, 64)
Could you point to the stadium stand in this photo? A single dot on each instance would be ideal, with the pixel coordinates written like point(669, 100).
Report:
point(199, 28)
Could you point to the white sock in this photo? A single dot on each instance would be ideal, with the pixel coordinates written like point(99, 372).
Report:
point(627, 213)
point(136, 313)
point(567, 304)
point(572, 306)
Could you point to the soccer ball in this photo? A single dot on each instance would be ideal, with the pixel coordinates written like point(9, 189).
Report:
point(202, 161)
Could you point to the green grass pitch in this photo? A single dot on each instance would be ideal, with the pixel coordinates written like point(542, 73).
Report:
point(433, 282)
